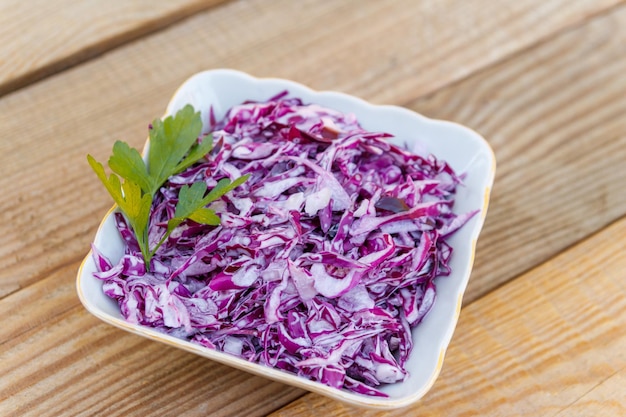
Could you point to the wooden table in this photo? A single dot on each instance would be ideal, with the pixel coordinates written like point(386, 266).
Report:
point(543, 326)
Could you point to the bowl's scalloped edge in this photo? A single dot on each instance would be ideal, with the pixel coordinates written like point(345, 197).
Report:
point(274, 374)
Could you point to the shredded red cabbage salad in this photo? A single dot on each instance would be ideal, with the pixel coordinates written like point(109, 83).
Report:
point(324, 260)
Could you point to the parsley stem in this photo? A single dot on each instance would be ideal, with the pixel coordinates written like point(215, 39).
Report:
point(145, 250)
point(158, 245)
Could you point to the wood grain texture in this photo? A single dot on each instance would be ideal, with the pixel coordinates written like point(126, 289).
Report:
point(605, 399)
point(114, 97)
point(555, 118)
point(56, 359)
point(39, 38)
point(550, 343)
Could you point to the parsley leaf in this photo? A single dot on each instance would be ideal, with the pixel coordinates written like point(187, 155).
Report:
point(170, 140)
point(128, 164)
point(192, 205)
point(132, 203)
point(195, 154)
point(192, 201)
point(173, 148)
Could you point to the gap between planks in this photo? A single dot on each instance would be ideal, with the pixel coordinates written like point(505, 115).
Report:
point(150, 27)
point(452, 84)
point(593, 236)
point(546, 343)
point(72, 274)
point(574, 25)
point(557, 127)
point(98, 47)
point(379, 92)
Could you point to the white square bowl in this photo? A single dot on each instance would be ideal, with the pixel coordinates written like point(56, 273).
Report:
point(465, 151)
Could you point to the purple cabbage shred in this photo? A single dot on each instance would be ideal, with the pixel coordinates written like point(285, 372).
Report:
point(324, 260)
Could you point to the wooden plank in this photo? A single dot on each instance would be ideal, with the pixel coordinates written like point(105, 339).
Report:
point(554, 116)
point(56, 359)
point(53, 208)
point(40, 38)
point(606, 399)
point(549, 343)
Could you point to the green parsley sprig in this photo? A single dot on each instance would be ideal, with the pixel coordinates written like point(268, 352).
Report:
point(173, 148)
